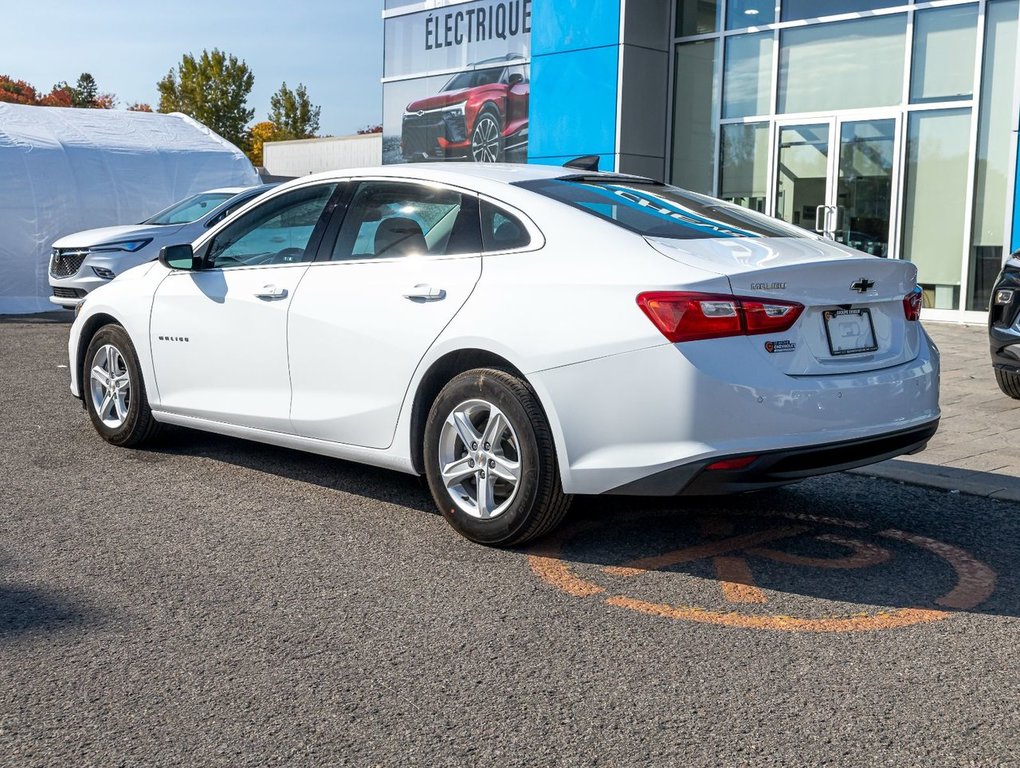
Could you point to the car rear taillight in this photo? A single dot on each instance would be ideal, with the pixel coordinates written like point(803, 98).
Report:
point(682, 316)
point(912, 304)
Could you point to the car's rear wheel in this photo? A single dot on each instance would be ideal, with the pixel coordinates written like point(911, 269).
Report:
point(1008, 382)
point(490, 460)
point(486, 138)
point(114, 391)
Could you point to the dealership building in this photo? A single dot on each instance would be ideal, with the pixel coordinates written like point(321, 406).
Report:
point(886, 125)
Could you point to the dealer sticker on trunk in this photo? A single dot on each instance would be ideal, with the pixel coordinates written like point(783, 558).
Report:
point(780, 346)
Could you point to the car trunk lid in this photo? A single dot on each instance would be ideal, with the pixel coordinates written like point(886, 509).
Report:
point(853, 319)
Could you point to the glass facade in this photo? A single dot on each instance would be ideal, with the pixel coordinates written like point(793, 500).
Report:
point(886, 125)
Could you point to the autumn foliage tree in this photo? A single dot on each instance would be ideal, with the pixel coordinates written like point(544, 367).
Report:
point(17, 91)
point(213, 89)
point(259, 134)
point(84, 94)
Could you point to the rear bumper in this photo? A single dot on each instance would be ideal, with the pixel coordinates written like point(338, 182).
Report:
point(780, 467)
point(668, 412)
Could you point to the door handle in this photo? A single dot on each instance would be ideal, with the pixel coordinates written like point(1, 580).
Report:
point(821, 216)
point(425, 292)
point(270, 292)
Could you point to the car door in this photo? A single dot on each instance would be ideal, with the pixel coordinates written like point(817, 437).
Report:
point(219, 334)
point(403, 262)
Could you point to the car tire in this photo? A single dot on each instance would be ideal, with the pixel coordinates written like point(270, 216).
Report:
point(487, 137)
point(1009, 382)
point(114, 391)
point(503, 492)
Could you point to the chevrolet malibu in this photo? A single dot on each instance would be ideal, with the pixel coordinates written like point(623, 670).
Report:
point(518, 335)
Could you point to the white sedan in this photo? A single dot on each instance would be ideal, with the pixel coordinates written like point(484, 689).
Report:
point(517, 334)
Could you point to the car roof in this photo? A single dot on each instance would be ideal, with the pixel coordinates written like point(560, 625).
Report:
point(492, 179)
point(476, 175)
point(229, 190)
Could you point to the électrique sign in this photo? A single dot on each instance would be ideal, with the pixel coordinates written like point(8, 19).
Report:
point(500, 21)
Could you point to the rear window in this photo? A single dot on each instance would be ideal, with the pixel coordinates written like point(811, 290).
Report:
point(659, 210)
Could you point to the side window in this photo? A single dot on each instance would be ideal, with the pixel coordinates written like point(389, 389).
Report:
point(502, 231)
point(389, 219)
point(277, 232)
point(518, 74)
point(233, 206)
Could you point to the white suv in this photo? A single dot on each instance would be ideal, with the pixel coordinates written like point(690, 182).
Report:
point(85, 260)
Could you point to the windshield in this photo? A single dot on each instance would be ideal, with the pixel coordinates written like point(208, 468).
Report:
point(659, 210)
point(473, 79)
point(190, 208)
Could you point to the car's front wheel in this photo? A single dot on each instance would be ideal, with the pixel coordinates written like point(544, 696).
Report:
point(490, 460)
point(486, 138)
point(114, 391)
point(1008, 382)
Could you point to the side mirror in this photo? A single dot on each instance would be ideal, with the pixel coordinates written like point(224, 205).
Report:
point(179, 257)
point(516, 79)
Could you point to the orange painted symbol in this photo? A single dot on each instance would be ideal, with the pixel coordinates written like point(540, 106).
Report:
point(733, 556)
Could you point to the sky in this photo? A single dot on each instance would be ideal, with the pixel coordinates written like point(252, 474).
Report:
point(333, 47)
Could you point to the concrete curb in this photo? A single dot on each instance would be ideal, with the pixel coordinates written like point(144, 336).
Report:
point(971, 482)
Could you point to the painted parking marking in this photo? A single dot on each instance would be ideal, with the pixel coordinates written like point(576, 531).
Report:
point(732, 557)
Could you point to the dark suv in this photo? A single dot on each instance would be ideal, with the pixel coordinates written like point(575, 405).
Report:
point(478, 115)
point(1004, 327)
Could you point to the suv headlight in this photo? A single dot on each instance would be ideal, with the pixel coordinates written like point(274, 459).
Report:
point(129, 246)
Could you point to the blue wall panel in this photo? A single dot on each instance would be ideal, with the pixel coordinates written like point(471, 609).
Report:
point(573, 103)
point(569, 25)
point(575, 50)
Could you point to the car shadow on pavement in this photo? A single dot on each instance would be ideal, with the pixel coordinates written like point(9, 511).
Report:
point(335, 474)
point(28, 610)
point(841, 545)
point(877, 553)
point(58, 317)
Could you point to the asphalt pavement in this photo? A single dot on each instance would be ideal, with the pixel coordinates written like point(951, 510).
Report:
point(216, 602)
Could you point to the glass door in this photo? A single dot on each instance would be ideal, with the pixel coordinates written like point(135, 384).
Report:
point(837, 176)
point(803, 171)
point(863, 189)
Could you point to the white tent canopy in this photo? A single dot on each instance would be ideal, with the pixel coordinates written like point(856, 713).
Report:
point(65, 170)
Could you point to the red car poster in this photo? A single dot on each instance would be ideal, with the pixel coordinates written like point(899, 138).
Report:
point(456, 83)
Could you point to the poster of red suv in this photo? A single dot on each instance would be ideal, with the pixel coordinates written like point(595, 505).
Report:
point(457, 82)
point(479, 115)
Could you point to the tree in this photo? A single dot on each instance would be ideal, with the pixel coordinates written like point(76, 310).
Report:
point(213, 89)
point(62, 95)
point(84, 92)
point(261, 133)
point(294, 116)
point(369, 129)
point(139, 106)
point(17, 91)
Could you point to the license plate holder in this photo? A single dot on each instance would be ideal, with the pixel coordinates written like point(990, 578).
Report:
point(849, 331)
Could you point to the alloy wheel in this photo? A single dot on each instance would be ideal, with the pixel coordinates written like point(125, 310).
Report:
point(110, 385)
point(485, 140)
point(480, 459)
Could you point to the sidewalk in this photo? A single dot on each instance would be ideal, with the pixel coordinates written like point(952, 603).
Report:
point(974, 450)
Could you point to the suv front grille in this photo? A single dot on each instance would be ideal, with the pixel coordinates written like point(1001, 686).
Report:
point(65, 262)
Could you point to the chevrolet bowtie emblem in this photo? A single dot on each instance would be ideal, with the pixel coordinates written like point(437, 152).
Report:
point(863, 285)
